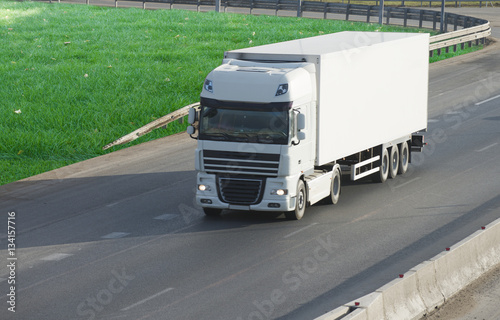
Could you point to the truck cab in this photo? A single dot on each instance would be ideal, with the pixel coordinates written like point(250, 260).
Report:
point(253, 141)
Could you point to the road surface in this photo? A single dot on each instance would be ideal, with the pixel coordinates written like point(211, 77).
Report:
point(118, 236)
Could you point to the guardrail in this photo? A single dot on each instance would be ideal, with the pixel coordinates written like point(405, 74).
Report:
point(401, 3)
point(472, 30)
point(347, 11)
point(366, 12)
point(410, 3)
point(476, 33)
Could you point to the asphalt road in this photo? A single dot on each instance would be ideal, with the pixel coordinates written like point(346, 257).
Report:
point(118, 237)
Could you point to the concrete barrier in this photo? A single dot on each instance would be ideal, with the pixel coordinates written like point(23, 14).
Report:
point(401, 298)
point(489, 246)
point(458, 267)
point(427, 285)
point(338, 313)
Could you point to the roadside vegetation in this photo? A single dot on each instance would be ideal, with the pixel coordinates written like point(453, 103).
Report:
point(76, 77)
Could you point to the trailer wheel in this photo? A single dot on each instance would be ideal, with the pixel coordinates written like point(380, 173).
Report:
point(404, 158)
point(212, 212)
point(335, 187)
point(384, 167)
point(300, 203)
point(394, 162)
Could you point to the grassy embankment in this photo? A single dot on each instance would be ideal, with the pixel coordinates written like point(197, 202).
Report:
point(76, 77)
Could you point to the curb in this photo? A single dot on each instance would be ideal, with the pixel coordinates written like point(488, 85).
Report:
point(428, 285)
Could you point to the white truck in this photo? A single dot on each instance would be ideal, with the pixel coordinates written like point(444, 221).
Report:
point(279, 124)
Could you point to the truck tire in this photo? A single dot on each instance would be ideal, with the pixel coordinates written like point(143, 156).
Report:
point(394, 162)
point(212, 212)
point(383, 173)
point(404, 158)
point(335, 187)
point(300, 203)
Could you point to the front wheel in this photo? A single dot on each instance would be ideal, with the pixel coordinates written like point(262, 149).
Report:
point(300, 203)
point(335, 187)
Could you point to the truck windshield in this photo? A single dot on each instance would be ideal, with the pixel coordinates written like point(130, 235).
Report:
point(264, 125)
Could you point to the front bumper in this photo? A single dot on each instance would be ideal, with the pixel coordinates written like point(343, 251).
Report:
point(209, 198)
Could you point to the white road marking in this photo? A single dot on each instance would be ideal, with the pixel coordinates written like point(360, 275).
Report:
point(486, 148)
point(115, 235)
point(487, 100)
point(166, 216)
point(432, 120)
point(112, 204)
point(407, 182)
point(300, 230)
point(147, 299)
point(56, 257)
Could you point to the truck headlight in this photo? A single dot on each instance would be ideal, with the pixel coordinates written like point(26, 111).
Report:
point(279, 192)
point(209, 86)
point(204, 187)
point(282, 89)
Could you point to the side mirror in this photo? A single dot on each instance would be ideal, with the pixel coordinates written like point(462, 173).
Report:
point(192, 116)
point(301, 122)
point(301, 135)
point(191, 130)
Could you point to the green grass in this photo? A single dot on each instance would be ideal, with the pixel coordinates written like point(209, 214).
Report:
point(75, 77)
point(451, 53)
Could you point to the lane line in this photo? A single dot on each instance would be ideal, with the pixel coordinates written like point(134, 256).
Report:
point(147, 299)
point(300, 230)
point(112, 204)
point(487, 100)
point(407, 182)
point(56, 257)
point(486, 148)
point(166, 216)
point(115, 235)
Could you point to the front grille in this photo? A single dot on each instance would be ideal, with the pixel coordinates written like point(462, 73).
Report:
point(263, 164)
point(244, 191)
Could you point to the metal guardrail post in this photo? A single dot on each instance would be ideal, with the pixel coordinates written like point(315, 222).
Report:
point(381, 13)
point(299, 8)
point(441, 28)
point(217, 5)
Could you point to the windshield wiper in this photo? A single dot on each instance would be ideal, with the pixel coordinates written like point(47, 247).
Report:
point(246, 137)
point(218, 135)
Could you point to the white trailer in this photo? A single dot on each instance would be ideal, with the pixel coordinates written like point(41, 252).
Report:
point(280, 123)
